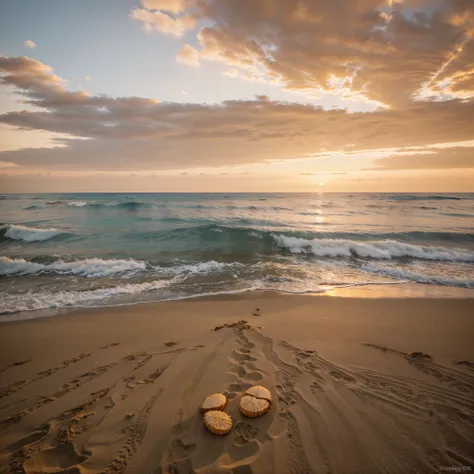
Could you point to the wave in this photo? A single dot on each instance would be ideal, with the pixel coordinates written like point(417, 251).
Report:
point(199, 268)
point(91, 267)
point(128, 205)
point(456, 214)
point(97, 267)
point(379, 250)
point(417, 277)
point(248, 237)
point(12, 303)
point(425, 197)
point(28, 234)
point(32, 207)
point(131, 205)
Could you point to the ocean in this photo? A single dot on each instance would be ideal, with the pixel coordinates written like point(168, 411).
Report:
point(67, 250)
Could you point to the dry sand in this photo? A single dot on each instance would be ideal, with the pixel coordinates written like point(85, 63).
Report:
point(119, 389)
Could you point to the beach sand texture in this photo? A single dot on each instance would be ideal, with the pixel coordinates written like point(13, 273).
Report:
point(119, 390)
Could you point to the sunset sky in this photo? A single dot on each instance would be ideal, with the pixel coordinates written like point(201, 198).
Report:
point(236, 95)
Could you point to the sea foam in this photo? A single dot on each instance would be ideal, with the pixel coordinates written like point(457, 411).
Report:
point(386, 249)
point(407, 275)
point(91, 267)
point(12, 303)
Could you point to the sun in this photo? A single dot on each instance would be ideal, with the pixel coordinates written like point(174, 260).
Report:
point(321, 184)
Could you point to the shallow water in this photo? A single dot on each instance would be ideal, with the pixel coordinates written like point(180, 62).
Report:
point(102, 249)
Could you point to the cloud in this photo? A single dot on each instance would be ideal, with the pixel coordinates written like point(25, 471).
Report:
point(429, 158)
point(29, 44)
point(142, 133)
point(172, 6)
point(322, 173)
point(366, 179)
point(88, 78)
point(4, 164)
point(188, 55)
point(386, 52)
point(163, 22)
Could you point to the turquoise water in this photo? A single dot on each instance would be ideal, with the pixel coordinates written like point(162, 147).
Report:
point(103, 249)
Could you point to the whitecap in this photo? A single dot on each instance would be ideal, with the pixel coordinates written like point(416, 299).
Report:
point(90, 267)
point(386, 249)
point(29, 234)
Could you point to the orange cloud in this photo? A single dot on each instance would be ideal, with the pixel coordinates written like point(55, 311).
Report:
point(188, 55)
point(141, 133)
point(161, 21)
point(387, 53)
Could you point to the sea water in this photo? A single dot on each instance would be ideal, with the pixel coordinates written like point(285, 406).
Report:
point(63, 250)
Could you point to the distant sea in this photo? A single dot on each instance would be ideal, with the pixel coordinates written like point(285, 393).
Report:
point(61, 250)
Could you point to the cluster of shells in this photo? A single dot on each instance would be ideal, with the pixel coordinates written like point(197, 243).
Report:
point(254, 403)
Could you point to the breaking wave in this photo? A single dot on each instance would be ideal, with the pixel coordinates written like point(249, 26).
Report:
point(28, 234)
point(98, 268)
point(387, 249)
point(127, 205)
point(91, 267)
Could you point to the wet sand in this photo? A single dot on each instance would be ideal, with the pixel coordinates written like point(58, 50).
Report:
point(359, 385)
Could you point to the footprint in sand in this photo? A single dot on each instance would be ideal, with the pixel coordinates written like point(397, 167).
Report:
point(254, 376)
point(239, 357)
point(244, 432)
point(57, 459)
point(5, 391)
point(112, 344)
point(180, 450)
point(285, 388)
point(239, 371)
point(245, 343)
point(155, 375)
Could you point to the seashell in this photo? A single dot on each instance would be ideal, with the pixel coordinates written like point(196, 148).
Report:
point(253, 407)
point(217, 422)
point(258, 391)
point(215, 401)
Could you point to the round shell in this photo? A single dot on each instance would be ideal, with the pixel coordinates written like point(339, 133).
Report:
point(215, 401)
point(253, 407)
point(217, 422)
point(258, 391)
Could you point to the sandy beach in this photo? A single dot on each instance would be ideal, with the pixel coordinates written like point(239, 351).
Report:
point(368, 385)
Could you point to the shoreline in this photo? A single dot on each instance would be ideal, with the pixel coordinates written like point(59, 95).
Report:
point(373, 291)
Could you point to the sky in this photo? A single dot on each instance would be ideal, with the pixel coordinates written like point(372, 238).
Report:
point(237, 95)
